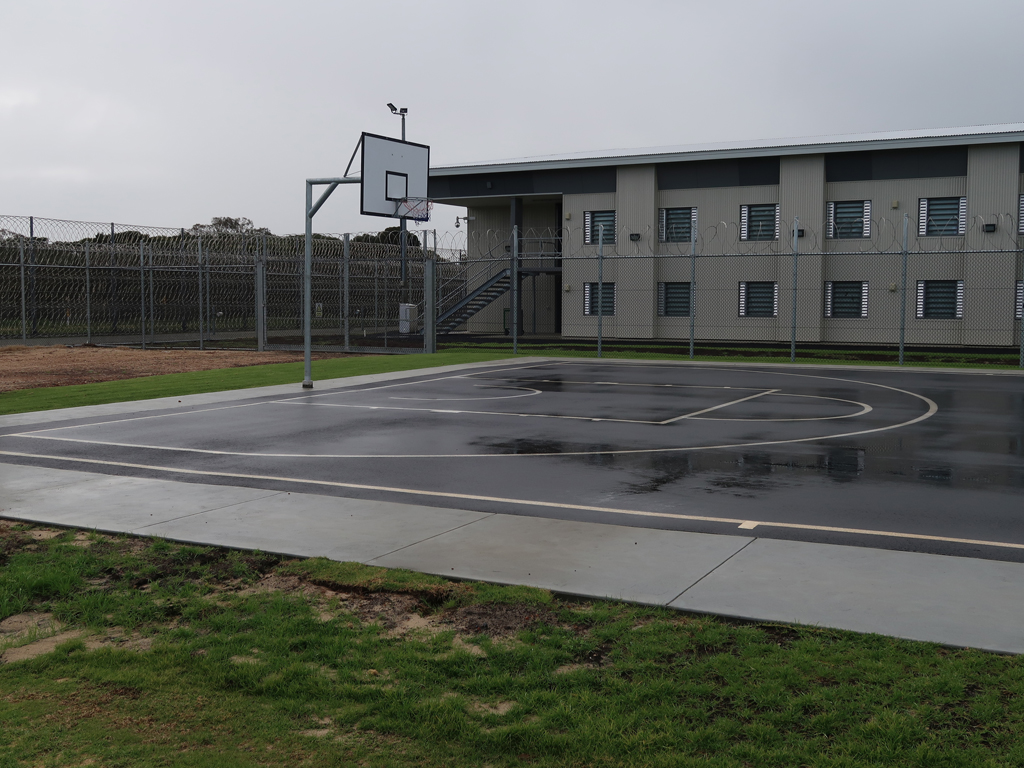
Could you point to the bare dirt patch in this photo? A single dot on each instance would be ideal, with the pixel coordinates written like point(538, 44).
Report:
point(21, 625)
point(115, 637)
point(24, 367)
point(501, 708)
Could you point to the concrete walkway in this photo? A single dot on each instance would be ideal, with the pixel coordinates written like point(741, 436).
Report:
point(954, 601)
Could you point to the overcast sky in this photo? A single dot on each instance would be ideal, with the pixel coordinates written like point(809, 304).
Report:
point(170, 113)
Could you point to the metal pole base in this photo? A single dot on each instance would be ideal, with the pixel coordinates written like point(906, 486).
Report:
point(307, 384)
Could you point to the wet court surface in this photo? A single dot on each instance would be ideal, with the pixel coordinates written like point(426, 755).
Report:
point(921, 461)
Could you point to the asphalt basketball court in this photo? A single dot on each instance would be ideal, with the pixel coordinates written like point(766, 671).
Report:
point(928, 462)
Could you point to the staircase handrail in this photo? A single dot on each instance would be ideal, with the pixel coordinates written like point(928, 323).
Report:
point(482, 288)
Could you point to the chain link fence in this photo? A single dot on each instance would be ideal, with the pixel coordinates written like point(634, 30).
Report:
point(154, 287)
point(712, 295)
point(884, 299)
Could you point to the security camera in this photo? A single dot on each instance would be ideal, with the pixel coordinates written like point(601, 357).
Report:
point(393, 108)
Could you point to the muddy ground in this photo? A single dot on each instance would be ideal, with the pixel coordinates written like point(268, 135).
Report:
point(35, 632)
point(28, 367)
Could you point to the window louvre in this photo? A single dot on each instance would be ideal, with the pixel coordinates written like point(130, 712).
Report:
point(1020, 216)
point(759, 222)
point(830, 219)
point(940, 299)
point(1019, 302)
point(676, 225)
point(759, 299)
point(674, 299)
point(850, 219)
point(846, 298)
point(590, 299)
point(941, 216)
point(592, 221)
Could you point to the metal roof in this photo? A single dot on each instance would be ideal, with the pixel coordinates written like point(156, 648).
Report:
point(806, 145)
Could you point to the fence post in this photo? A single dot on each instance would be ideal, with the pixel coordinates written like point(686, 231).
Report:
point(429, 310)
point(792, 335)
point(24, 326)
point(345, 292)
point(515, 290)
point(32, 274)
point(261, 296)
point(142, 292)
point(88, 299)
point(903, 286)
point(200, 272)
point(152, 302)
point(600, 285)
point(693, 283)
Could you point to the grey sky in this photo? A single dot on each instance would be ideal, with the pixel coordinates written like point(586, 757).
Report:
point(170, 113)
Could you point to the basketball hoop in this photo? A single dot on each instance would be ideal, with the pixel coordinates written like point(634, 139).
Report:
point(415, 208)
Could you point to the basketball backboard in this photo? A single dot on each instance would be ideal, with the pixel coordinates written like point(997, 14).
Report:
point(392, 171)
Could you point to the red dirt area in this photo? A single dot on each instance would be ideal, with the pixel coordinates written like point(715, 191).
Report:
point(23, 367)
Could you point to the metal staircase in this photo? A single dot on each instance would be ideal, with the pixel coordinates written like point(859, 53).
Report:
point(480, 297)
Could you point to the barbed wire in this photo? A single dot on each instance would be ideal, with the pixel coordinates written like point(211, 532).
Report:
point(112, 283)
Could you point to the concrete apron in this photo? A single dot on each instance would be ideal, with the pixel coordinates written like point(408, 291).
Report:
point(953, 601)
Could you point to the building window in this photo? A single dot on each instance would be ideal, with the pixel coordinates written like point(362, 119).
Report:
point(1019, 301)
point(846, 298)
point(759, 222)
point(940, 299)
point(1020, 216)
point(592, 221)
point(674, 299)
point(848, 219)
point(590, 299)
point(676, 225)
point(759, 299)
point(941, 216)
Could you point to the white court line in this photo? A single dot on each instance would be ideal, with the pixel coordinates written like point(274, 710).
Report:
point(472, 413)
point(723, 405)
point(529, 393)
point(625, 384)
point(336, 391)
point(931, 411)
point(741, 523)
point(864, 409)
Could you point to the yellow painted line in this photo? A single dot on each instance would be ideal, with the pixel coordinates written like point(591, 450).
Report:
point(744, 524)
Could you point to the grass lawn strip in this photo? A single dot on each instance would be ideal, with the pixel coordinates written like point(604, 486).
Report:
point(219, 380)
point(172, 654)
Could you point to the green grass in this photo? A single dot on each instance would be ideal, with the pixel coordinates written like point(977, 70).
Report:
point(177, 384)
point(320, 673)
point(615, 349)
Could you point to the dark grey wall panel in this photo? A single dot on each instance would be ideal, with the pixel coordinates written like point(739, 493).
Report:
point(883, 165)
point(569, 181)
point(736, 172)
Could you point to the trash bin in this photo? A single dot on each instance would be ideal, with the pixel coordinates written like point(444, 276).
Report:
point(407, 318)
